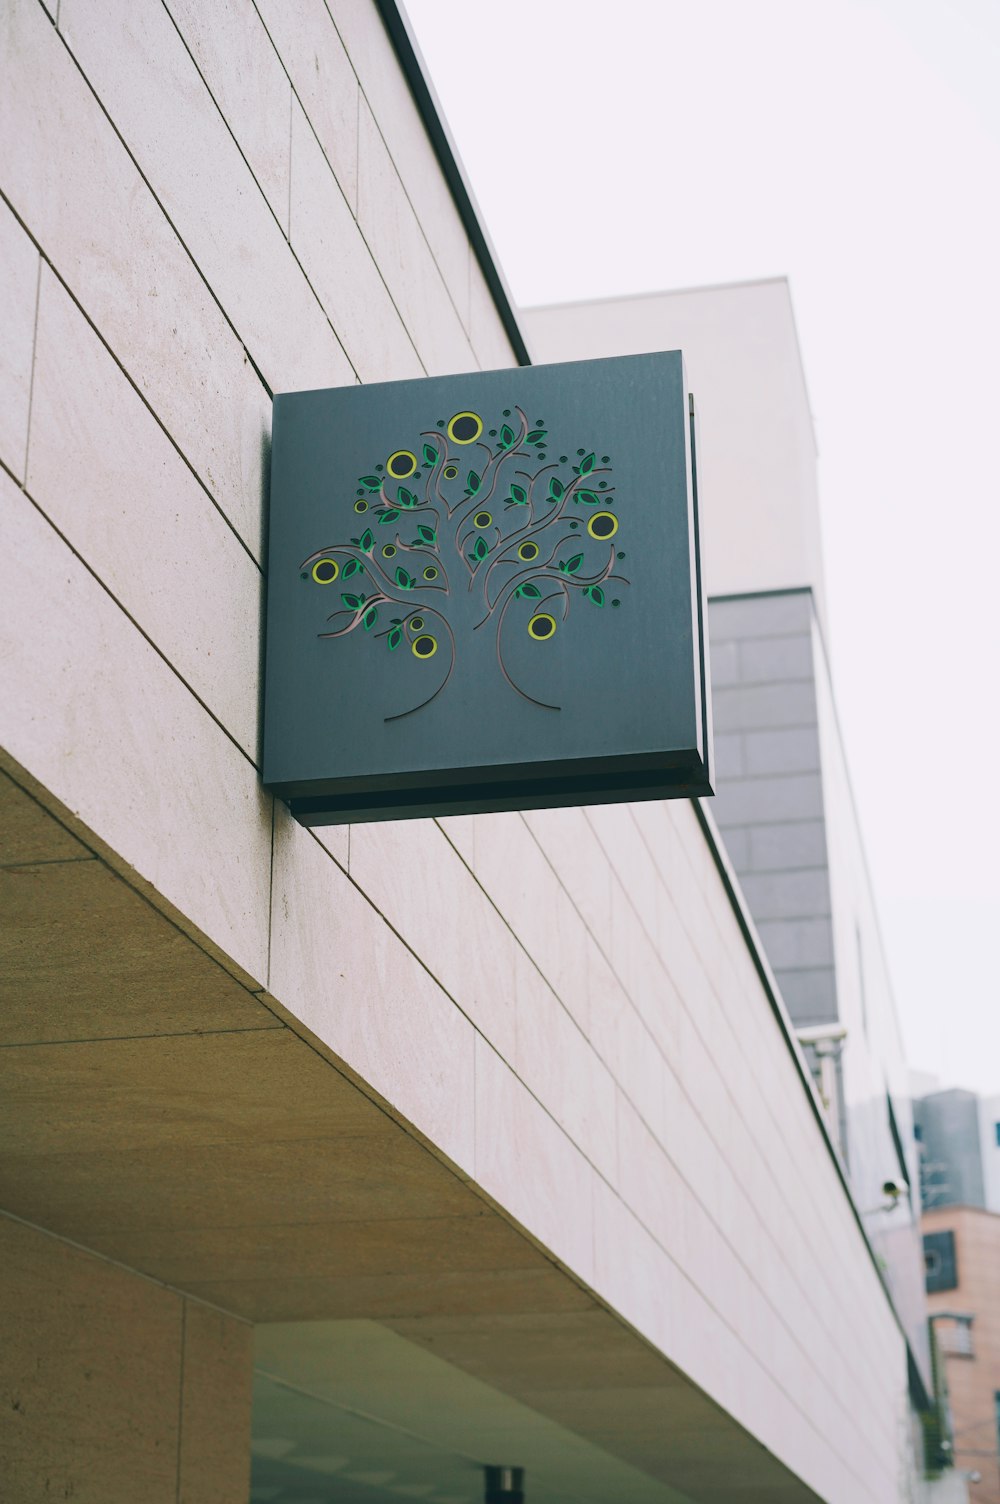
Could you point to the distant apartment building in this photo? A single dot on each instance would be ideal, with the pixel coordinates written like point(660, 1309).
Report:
point(958, 1139)
point(962, 1252)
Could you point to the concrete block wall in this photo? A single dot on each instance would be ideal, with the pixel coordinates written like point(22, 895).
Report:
point(204, 205)
point(770, 804)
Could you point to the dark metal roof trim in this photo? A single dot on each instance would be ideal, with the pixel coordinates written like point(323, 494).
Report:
point(401, 35)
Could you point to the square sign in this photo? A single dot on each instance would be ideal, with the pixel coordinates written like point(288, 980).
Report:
point(484, 593)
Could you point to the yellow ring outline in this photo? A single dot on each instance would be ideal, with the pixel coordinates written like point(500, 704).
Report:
point(430, 573)
point(336, 571)
point(476, 522)
point(450, 471)
point(424, 637)
point(361, 506)
point(542, 616)
point(401, 474)
point(599, 517)
point(389, 551)
point(528, 558)
point(451, 428)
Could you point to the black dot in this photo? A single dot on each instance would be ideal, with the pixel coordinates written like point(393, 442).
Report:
point(603, 486)
point(574, 524)
point(616, 603)
point(605, 459)
point(359, 492)
point(304, 575)
point(539, 422)
point(464, 427)
point(581, 451)
point(440, 422)
point(493, 433)
point(506, 412)
point(620, 556)
point(564, 459)
point(541, 456)
point(380, 468)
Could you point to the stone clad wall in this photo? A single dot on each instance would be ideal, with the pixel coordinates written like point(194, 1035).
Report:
point(203, 205)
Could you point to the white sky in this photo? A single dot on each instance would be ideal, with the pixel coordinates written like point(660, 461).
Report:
point(854, 145)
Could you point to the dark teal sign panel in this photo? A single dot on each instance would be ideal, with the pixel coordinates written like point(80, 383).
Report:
point(484, 593)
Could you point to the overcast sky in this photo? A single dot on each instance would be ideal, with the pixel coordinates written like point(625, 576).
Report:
point(854, 146)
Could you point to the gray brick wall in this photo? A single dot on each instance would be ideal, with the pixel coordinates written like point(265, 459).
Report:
point(769, 804)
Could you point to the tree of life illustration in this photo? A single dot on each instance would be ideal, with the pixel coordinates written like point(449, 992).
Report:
point(510, 547)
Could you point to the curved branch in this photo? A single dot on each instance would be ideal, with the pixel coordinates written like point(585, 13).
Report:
point(542, 704)
point(430, 611)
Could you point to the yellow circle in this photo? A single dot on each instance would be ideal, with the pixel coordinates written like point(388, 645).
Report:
point(430, 573)
point(424, 647)
point(389, 551)
point(450, 471)
point(401, 464)
point(416, 623)
point(602, 526)
point(465, 428)
point(482, 519)
point(542, 627)
point(325, 571)
point(528, 551)
point(361, 506)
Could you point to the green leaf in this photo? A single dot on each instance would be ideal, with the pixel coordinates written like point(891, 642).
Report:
point(481, 548)
point(556, 488)
point(506, 436)
point(473, 482)
point(530, 590)
point(405, 498)
point(537, 436)
point(371, 481)
point(352, 567)
point(518, 495)
point(394, 638)
point(587, 465)
point(402, 579)
point(572, 565)
point(389, 516)
point(589, 498)
point(430, 455)
point(367, 540)
point(427, 534)
point(596, 594)
point(370, 618)
point(352, 602)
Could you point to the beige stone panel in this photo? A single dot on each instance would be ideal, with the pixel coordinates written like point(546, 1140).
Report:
point(513, 871)
point(341, 970)
point(412, 276)
point(334, 1250)
point(487, 334)
point(81, 196)
point(629, 857)
point(460, 831)
point(559, 1066)
point(214, 1463)
point(82, 956)
point(18, 291)
point(158, 1094)
point(145, 78)
point(529, 1166)
point(568, 842)
point(28, 833)
point(106, 475)
point(336, 838)
point(339, 265)
point(124, 747)
point(91, 1376)
point(624, 1044)
point(648, 1182)
point(389, 1296)
point(238, 63)
point(320, 70)
point(413, 877)
point(391, 103)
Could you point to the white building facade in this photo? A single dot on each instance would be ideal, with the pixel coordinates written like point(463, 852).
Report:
point(344, 1163)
